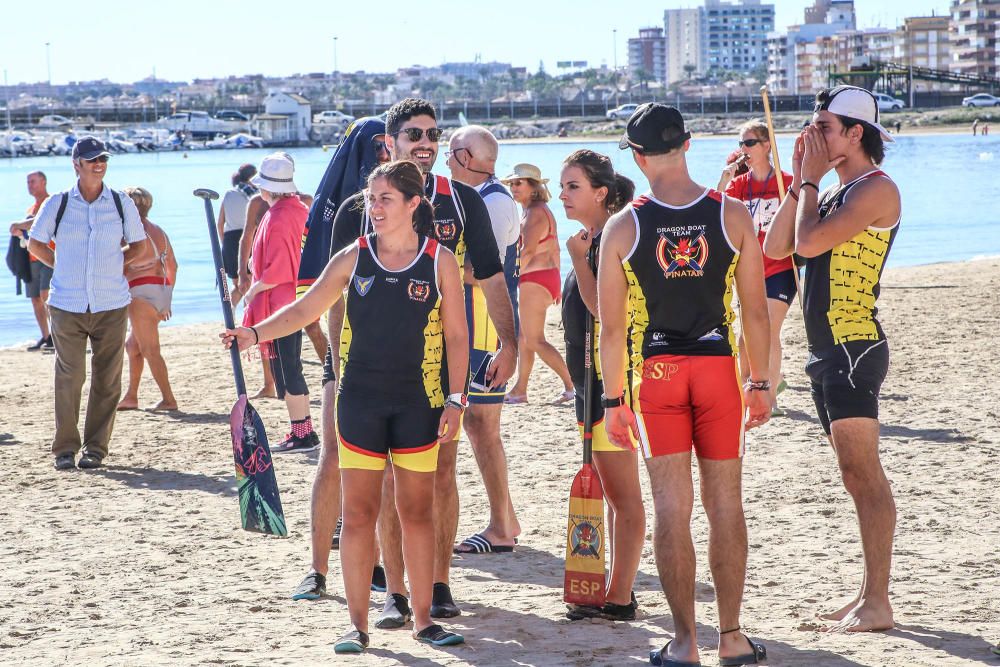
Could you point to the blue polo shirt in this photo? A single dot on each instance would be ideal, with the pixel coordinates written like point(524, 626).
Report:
point(88, 272)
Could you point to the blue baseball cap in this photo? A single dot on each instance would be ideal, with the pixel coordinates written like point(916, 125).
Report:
point(87, 148)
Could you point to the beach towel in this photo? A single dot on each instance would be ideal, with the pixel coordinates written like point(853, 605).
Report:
point(354, 159)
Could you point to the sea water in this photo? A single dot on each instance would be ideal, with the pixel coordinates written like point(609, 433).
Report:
point(949, 191)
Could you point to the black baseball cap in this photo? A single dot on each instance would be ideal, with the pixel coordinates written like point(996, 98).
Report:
point(654, 128)
point(87, 148)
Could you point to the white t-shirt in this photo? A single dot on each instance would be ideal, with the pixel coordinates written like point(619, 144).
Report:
point(504, 217)
point(234, 203)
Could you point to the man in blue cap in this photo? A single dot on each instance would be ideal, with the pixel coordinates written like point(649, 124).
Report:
point(98, 231)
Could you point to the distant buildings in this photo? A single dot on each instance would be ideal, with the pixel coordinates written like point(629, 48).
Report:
point(973, 36)
point(648, 53)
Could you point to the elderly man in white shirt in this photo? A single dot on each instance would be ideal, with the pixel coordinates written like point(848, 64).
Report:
point(88, 299)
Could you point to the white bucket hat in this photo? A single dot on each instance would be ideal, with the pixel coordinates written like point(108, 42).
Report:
point(856, 103)
point(275, 174)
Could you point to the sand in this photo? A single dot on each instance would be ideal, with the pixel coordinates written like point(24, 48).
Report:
point(143, 562)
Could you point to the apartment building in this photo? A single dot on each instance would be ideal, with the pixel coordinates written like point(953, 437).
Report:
point(682, 34)
point(734, 35)
point(648, 53)
point(973, 36)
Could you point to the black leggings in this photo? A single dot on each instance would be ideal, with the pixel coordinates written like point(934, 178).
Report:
point(287, 365)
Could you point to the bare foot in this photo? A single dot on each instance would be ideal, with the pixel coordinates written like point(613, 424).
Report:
point(866, 617)
point(164, 406)
point(129, 403)
point(266, 392)
point(841, 613)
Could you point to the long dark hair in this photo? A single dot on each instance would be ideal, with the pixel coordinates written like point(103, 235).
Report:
point(601, 174)
point(405, 176)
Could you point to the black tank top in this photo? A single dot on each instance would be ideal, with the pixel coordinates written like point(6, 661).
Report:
point(574, 319)
point(842, 284)
point(680, 279)
point(392, 346)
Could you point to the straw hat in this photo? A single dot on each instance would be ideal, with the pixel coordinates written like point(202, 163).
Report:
point(526, 171)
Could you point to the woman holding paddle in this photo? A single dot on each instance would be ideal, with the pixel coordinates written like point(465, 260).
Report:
point(398, 393)
point(591, 193)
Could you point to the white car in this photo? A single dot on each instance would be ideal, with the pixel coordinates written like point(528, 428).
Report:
point(624, 112)
point(888, 102)
point(332, 117)
point(981, 100)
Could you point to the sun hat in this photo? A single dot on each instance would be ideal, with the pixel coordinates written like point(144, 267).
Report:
point(526, 171)
point(856, 103)
point(275, 174)
point(654, 128)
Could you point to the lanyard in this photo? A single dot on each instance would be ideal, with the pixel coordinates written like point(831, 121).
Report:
point(755, 205)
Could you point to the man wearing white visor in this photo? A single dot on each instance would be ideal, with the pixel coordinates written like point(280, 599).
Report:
point(845, 233)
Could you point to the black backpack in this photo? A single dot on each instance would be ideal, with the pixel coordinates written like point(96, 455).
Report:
point(19, 262)
point(65, 200)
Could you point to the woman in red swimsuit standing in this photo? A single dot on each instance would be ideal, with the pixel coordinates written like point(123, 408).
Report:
point(540, 285)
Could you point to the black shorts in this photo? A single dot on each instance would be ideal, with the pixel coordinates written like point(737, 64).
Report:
point(328, 373)
point(231, 251)
point(371, 430)
point(846, 379)
point(781, 287)
point(286, 365)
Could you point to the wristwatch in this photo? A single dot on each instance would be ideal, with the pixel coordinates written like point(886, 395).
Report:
point(457, 401)
point(612, 402)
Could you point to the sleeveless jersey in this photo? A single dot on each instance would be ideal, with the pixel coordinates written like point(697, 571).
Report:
point(449, 216)
point(392, 345)
point(842, 285)
point(574, 320)
point(680, 279)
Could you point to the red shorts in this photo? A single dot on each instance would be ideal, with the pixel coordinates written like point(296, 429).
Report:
point(685, 402)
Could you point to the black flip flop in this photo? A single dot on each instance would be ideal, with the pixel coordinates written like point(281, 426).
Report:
point(658, 658)
point(478, 544)
point(757, 656)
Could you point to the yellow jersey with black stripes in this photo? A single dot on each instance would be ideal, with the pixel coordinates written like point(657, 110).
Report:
point(392, 343)
point(842, 285)
point(680, 274)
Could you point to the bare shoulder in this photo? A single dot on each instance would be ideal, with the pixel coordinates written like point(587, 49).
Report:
point(535, 215)
point(876, 199)
point(619, 233)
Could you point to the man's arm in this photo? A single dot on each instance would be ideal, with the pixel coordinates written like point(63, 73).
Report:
point(753, 306)
point(42, 252)
point(780, 239)
point(43, 226)
point(501, 313)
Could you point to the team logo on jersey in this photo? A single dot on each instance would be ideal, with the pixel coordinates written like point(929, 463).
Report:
point(682, 257)
point(362, 284)
point(445, 230)
point(418, 290)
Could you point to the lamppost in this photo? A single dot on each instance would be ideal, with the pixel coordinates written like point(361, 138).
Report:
point(48, 63)
point(614, 60)
point(336, 72)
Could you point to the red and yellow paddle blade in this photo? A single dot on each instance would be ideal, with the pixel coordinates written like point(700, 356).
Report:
point(584, 582)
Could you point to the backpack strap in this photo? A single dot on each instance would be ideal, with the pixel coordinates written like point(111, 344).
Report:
point(59, 213)
point(118, 205)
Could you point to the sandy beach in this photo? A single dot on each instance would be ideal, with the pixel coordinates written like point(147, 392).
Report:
point(143, 562)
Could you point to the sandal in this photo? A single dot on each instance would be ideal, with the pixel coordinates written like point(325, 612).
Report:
point(353, 642)
point(478, 544)
point(757, 653)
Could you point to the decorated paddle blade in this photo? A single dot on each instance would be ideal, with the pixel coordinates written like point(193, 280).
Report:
point(260, 505)
point(584, 582)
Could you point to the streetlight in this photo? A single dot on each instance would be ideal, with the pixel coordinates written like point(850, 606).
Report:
point(614, 59)
point(336, 72)
point(48, 63)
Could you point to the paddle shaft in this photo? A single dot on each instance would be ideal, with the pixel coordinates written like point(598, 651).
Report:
point(781, 179)
point(227, 304)
point(588, 366)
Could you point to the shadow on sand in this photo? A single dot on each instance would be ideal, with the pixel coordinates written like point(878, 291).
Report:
point(968, 647)
point(169, 480)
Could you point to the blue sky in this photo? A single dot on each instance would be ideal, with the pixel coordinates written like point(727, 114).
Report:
point(183, 39)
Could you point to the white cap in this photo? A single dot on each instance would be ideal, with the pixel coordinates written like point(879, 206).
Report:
point(275, 174)
point(856, 103)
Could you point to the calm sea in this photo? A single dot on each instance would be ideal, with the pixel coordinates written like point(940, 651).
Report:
point(949, 187)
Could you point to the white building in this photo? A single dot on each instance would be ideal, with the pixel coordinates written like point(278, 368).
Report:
point(287, 119)
point(682, 31)
point(790, 61)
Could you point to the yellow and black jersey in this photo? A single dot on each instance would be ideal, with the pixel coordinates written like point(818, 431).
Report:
point(842, 284)
point(392, 343)
point(680, 279)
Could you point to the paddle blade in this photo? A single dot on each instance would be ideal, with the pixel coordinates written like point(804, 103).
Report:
point(584, 582)
point(260, 505)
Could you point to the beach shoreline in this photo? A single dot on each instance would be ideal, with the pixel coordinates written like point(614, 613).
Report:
point(143, 562)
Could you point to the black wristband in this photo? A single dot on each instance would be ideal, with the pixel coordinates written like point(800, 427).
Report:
point(256, 336)
point(810, 184)
point(612, 402)
point(793, 194)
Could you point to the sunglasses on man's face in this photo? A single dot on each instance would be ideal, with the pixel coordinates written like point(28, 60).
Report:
point(750, 143)
point(415, 133)
point(99, 158)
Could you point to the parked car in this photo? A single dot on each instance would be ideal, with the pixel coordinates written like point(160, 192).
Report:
point(623, 112)
point(55, 121)
point(888, 102)
point(332, 117)
point(231, 114)
point(981, 100)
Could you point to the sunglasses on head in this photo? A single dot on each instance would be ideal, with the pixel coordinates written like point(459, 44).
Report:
point(415, 133)
point(99, 158)
point(750, 143)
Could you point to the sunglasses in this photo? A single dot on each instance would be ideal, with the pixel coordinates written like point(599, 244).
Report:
point(99, 158)
point(750, 143)
point(378, 142)
point(448, 154)
point(415, 133)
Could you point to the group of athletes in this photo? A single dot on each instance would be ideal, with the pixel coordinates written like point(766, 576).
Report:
point(423, 340)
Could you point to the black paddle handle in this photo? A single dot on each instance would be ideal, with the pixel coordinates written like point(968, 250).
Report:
point(588, 367)
point(227, 304)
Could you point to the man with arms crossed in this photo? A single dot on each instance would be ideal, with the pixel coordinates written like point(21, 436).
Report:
point(845, 234)
point(668, 265)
